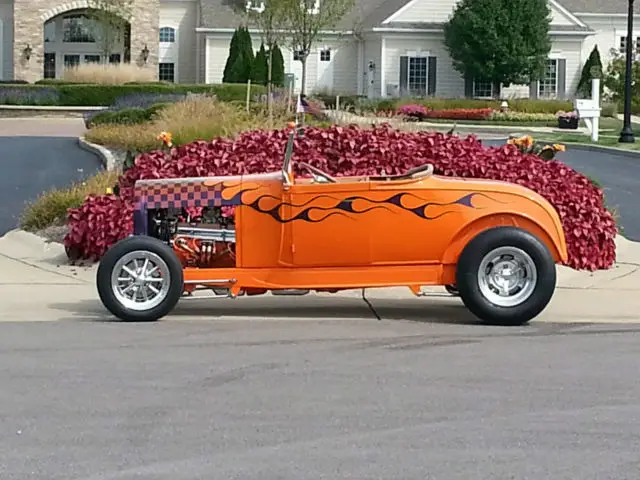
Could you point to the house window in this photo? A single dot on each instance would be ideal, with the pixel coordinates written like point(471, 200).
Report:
point(325, 55)
point(77, 29)
point(114, 58)
point(92, 59)
point(297, 55)
point(483, 89)
point(417, 75)
point(71, 61)
point(312, 6)
point(623, 44)
point(167, 35)
point(50, 31)
point(166, 72)
point(49, 65)
point(548, 87)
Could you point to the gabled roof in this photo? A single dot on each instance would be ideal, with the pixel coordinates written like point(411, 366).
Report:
point(368, 14)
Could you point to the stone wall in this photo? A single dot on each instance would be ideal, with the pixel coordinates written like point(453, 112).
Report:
point(29, 18)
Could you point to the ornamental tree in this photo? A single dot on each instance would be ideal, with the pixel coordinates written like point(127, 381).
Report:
point(277, 66)
point(591, 69)
point(306, 21)
point(501, 41)
point(268, 16)
point(260, 67)
point(109, 20)
point(240, 59)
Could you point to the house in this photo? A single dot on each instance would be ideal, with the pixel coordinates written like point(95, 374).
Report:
point(382, 48)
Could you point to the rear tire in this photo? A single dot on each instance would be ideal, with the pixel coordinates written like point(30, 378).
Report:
point(140, 279)
point(506, 276)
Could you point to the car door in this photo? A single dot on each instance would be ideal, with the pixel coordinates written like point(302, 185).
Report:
point(329, 223)
point(416, 226)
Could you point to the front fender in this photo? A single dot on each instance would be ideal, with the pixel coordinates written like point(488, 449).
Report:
point(546, 227)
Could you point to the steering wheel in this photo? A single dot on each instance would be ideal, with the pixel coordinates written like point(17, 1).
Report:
point(317, 173)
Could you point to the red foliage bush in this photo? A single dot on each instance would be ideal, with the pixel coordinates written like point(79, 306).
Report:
point(589, 228)
point(420, 112)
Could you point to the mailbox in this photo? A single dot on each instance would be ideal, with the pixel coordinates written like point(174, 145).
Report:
point(587, 108)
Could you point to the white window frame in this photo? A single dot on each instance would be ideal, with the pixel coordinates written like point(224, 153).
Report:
point(174, 32)
point(491, 92)
point(257, 6)
point(314, 10)
point(543, 81)
point(325, 50)
point(415, 58)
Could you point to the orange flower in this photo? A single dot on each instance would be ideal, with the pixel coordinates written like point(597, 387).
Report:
point(527, 141)
point(291, 124)
point(166, 138)
point(559, 147)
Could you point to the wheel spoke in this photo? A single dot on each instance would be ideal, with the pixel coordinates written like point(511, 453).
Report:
point(129, 271)
point(153, 289)
point(145, 295)
point(145, 266)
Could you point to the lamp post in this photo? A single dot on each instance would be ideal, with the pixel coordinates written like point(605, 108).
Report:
point(626, 135)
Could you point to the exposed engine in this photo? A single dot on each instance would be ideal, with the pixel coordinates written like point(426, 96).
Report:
point(204, 241)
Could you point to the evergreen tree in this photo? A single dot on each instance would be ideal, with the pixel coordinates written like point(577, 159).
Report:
point(246, 48)
point(234, 51)
point(592, 69)
point(277, 69)
point(259, 69)
point(502, 41)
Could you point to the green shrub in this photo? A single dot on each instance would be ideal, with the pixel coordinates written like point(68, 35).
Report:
point(346, 101)
point(127, 116)
point(609, 109)
point(524, 117)
point(77, 95)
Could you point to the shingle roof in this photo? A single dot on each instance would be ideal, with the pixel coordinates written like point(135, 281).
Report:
point(598, 6)
point(365, 13)
point(371, 13)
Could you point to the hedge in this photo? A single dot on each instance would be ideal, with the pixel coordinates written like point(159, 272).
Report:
point(76, 95)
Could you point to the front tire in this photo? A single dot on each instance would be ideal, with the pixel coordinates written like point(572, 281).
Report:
point(506, 276)
point(140, 279)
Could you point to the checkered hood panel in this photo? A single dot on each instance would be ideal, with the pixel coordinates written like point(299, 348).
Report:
point(191, 194)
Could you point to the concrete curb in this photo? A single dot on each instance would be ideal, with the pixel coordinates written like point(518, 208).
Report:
point(603, 149)
point(105, 156)
point(51, 108)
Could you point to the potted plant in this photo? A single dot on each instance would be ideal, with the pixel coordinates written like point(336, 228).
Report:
point(567, 120)
point(527, 144)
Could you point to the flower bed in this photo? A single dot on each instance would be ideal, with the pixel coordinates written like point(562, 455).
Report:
point(589, 228)
point(419, 113)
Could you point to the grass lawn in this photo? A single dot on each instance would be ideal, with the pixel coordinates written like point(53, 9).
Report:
point(609, 134)
point(606, 123)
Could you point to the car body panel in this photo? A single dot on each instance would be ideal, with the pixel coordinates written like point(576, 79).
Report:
point(355, 232)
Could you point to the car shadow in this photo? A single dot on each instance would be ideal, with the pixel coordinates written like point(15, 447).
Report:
point(428, 309)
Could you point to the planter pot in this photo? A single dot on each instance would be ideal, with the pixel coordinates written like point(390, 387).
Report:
point(568, 123)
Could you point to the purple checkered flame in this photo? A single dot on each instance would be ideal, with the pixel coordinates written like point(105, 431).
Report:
point(182, 193)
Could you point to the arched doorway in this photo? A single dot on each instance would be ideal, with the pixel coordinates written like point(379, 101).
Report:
point(81, 35)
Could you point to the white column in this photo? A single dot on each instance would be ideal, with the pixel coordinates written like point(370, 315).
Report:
point(360, 79)
point(595, 99)
point(383, 67)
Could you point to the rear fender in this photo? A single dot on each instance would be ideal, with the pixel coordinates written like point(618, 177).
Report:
point(553, 240)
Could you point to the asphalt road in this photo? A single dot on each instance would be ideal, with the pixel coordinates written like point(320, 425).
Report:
point(619, 176)
point(312, 399)
point(32, 165)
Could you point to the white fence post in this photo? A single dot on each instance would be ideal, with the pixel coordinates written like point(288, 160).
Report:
point(595, 98)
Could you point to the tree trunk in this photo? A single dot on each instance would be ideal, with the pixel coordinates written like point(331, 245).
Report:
point(269, 87)
point(303, 60)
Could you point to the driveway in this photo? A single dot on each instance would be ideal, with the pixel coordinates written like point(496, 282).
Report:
point(285, 399)
point(619, 175)
point(37, 155)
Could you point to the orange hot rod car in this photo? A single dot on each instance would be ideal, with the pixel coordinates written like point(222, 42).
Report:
point(494, 244)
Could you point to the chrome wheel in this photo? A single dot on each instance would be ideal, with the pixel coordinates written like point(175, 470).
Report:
point(140, 280)
point(507, 276)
